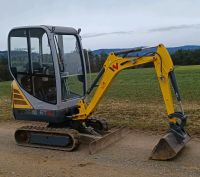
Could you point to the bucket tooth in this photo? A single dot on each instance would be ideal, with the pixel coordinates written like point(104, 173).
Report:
point(168, 147)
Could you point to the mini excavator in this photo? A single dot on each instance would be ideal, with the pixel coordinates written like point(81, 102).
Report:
point(50, 85)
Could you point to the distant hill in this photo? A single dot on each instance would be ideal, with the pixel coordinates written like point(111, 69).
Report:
point(170, 49)
point(3, 54)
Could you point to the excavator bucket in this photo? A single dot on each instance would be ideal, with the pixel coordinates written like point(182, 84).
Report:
point(168, 147)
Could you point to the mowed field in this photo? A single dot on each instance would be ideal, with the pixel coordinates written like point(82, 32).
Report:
point(134, 99)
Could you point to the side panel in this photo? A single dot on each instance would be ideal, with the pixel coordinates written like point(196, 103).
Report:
point(49, 116)
point(23, 110)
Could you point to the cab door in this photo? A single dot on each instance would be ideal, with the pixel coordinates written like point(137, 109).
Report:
point(31, 63)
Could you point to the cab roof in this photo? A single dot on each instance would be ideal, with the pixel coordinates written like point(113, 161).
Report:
point(54, 29)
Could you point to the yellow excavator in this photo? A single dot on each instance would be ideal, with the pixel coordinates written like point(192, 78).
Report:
point(50, 85)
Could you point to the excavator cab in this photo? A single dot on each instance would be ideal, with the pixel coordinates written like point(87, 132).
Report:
point(47, 64)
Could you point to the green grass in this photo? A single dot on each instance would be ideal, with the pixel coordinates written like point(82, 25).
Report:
point(134, 99)
point(142, 84)
point(5, 89)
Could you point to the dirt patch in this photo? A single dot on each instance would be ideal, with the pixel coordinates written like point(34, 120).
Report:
point(5, 108)
point(138, 115)
point(145, 116)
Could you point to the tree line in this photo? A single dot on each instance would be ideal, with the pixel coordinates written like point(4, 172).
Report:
point(180, 57)
point(4, 72)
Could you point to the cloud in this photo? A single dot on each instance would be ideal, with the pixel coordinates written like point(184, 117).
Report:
point(161, 29)
point(90, 35)
point(177, 27)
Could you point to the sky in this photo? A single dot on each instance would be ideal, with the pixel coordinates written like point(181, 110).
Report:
point(109, 23)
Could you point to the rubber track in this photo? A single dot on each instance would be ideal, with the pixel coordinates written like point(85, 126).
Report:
point(74, 134)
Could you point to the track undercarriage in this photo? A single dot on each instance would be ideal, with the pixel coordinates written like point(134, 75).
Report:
point(67, 138)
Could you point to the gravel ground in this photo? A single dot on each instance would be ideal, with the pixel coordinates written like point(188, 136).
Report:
point(128, 157)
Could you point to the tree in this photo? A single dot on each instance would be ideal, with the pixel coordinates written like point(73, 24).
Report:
point(4, 71)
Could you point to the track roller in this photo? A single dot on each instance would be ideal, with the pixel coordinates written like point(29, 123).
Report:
point(99, 125)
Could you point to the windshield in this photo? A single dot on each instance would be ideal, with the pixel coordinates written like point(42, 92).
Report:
point(70, 64)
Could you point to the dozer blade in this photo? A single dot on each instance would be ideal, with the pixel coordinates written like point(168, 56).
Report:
point(107, 140)
point(168, 147)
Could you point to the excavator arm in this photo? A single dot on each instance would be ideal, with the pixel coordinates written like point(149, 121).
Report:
point(116, 62)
